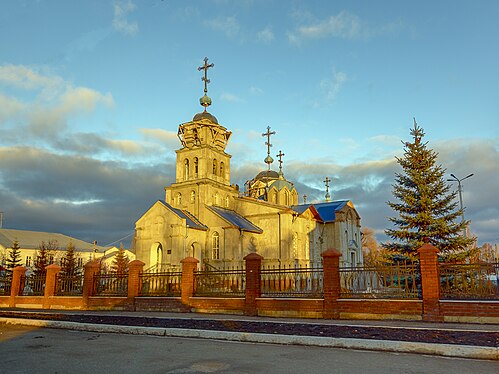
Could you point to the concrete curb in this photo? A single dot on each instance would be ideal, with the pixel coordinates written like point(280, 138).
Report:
point(448, 350)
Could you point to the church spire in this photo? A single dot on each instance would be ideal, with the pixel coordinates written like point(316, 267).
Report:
point(279, 155)
point(268, 160)
point(205, 101)
point(328, 196)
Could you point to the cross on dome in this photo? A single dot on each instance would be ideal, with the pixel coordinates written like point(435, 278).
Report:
point(205, 101)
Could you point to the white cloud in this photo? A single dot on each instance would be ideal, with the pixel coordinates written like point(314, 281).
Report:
point(344, 25)
point(120, 20)
point(226, 96)
point(228, 25)
point(266, 35)
point(331, 86)
point(255, 90)
point(169, 138)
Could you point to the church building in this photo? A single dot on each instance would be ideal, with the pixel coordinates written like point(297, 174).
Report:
point(204, 216)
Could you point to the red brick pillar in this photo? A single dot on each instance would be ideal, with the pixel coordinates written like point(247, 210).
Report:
point(16, 288)
point(50, 283)
point(253, 263)
point(189, 266)
point(135, 267)
point(430, 282)
point(332, 288)
point(91, 268)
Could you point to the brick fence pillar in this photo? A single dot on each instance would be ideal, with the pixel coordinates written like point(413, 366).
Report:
point(50, 283)
point(430, 282)
point(91, 269)
point(332, 288)
point(189, 266)
point(16, 286)
point(253, 264)
point(135, 267)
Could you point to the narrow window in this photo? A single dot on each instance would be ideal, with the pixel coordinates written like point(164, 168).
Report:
point(214, 167)
point(28, 260)
point(186, 169)
point(215, 246)
point(196, 166)
point(193, 196)
point(179, 199)
point(222, 169)
point(226, 201)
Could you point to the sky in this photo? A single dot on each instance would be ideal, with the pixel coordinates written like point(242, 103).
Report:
point(92, 93)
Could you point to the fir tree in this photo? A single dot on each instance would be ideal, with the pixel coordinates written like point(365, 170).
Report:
point(120, 262)
point(69, 263)
point(14, 258)
point(44, 256)
point(426, 208)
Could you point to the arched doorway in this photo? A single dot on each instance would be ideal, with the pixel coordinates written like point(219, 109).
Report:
point(156, 256)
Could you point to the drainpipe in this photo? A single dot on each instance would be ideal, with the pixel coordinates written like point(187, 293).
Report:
point(279, 228)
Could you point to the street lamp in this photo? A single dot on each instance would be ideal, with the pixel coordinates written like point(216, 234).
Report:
point(460, 190)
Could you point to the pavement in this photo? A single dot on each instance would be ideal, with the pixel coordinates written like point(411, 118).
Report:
point(444, 339)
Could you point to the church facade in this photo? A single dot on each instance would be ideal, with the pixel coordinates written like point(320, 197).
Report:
point(204, 216)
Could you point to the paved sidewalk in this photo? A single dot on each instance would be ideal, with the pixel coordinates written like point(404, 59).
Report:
point(447, 339)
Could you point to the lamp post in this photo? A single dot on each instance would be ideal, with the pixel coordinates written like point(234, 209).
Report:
point(460, 190)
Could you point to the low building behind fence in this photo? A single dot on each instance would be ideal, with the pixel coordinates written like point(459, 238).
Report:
point(469, 281)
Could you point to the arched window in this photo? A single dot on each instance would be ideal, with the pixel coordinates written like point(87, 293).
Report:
point(186, 169)
point(179, 199)
point(222, 169)
point(196, 168)
point(216, 199)
point(214, 167)
point(215, 246)
point(346, 238)
point(286, 197)
point(193, 196)
point(226, 201)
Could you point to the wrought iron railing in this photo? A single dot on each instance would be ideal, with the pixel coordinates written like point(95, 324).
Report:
point(292, 281)
point(33, 285)
point(469, 281)
point(394, 281)
point(5, 284)
point(69, 285)
point(111, 284)
point(160, 284)
point(226, 283)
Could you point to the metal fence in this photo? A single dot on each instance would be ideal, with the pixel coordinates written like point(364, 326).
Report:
point(160, 284)
point(33, 285)
point(5, 284)
point(395, 281)
point(69, 285)
point(111, 284)
point(292, 281)
point(226, 283)
point(469, 281)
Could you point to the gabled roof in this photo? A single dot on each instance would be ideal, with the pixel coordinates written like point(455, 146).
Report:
point(32, 239)
point(235, 219)
point(191, 221)
point(326, 211)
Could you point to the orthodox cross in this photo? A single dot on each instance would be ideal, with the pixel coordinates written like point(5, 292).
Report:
point(268, 160)
point(327, 180)
point(280, 161)
point(304, 199)
point(205, 79)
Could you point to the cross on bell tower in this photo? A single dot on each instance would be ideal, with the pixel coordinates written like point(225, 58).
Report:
point(279, 155)
point(268, 160)
point(328, 196)
point(205, 101)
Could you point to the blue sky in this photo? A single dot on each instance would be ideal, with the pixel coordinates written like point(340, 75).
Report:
point(92, 92)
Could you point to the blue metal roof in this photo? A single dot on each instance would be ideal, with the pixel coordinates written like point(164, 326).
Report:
point(236, 219)
point(191, 221)
point(327, 211)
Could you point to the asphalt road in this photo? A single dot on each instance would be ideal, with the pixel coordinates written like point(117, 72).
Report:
point(28, 350)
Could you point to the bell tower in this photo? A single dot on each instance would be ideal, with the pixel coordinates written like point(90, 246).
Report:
point(202, 166)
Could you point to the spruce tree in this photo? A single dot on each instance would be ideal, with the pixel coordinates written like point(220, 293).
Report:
point(426, 208)
point(44, 256)
point(69, 265)
point(14, 258)
point(120, 262)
